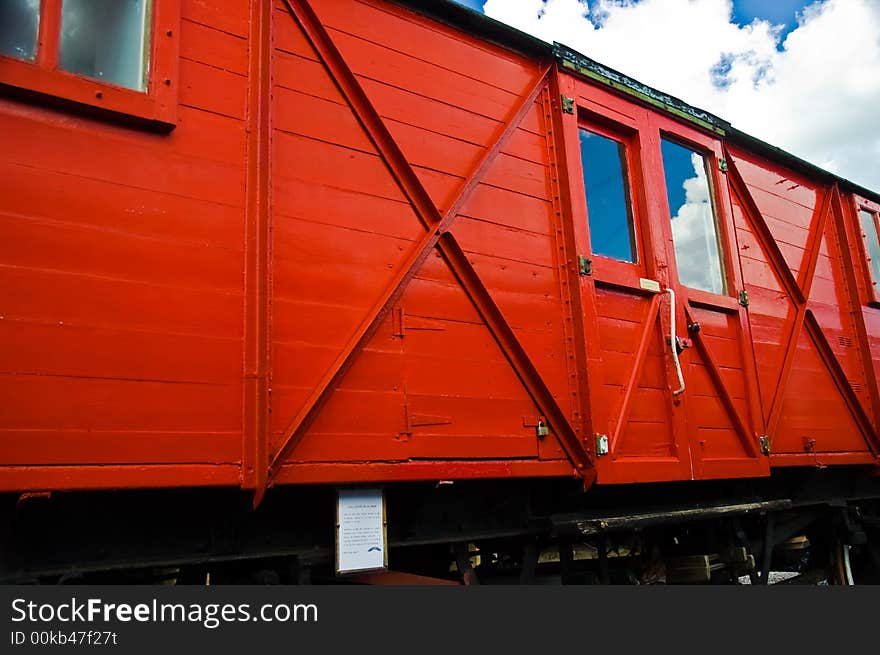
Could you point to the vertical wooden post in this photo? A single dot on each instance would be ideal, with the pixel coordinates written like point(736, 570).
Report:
point(257, 282)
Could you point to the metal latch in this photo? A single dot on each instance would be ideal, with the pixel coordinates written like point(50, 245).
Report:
point(601, 445)
point(765, 444)
point(744, 298)
point(722, 165)
point(681, 343)
point(567, 105)
point(541, 429)
point(585, 265)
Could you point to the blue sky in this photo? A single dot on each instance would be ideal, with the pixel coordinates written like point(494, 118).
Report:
point(778, 12)
point(803, 75)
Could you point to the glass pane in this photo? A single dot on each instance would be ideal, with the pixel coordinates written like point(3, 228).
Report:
point(694, 230)
point(608, 200)
point(869, 228)
point(108, 40)
point(19, 22)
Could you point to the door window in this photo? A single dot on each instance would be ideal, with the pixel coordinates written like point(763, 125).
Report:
point(868, 223)
point(609, 205)
point(694, 224)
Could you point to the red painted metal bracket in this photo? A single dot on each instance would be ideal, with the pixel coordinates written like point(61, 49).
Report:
point(437, 225)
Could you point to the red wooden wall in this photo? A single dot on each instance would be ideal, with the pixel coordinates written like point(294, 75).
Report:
point(121, 266)
point(354, 258)
point(431, 383)
point(801, 265)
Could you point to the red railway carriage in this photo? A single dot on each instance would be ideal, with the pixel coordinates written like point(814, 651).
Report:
point(357, 241)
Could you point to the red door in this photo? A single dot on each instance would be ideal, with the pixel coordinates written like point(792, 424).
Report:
point(716, 385)
point(659, 413)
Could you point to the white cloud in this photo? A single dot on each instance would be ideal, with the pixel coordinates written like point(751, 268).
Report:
point(694, 233)
point(818, 96)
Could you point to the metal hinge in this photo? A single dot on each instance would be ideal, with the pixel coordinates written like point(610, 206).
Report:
point(744, 298)
point(765, 444)
point(722, 165)
point(585, 265)
point(601, 445)
point(567, 105)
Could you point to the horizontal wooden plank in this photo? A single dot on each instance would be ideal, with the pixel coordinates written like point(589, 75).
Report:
point(42, 478)
point(519, 175)
point(354, 447)
point(420, 470)
point(317, 162)
point(94, 404)
point(782, 208)
point(461, 377)
point(517, 211)
point(118, 208)
point(720, 443)
point(376, 368)
point(774, 178)
point(439, 152)
point(445, 446)
point(643, 439)
point(617, 367)
point(217, 48)
point(305, 115)
point(111, 352)
point(212, 89)
point(72, 298)
point(365, 412)
point(433, 114)
point(158, 168)
point(335, 264)
point(504, 242)
point(305, 75)
point(709, 412)
point(699, 382)
point(55, 246)
point(435, 299)
point(107, 447)
point(217, 14)
point(403, 71)
point(328, 205)
point(616, 335)
point(420, 38)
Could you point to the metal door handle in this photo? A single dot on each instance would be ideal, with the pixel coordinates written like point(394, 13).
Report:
point(673, 343)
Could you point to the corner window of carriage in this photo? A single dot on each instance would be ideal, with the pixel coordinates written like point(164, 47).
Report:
point(606, 171)
point(692, 211)
point(113, 56)
point(869, 226)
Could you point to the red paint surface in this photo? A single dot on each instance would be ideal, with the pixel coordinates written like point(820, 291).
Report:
point(354, 259)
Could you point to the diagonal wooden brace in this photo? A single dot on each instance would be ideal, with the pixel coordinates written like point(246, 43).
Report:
point(436, 224)
point(745, 435)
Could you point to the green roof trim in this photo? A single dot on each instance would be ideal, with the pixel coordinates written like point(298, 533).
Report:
point(592, 69)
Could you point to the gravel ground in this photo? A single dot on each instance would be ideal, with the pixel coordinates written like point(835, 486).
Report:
point(775, 576)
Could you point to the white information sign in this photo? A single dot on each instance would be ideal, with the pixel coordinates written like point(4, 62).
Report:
point(361, 543)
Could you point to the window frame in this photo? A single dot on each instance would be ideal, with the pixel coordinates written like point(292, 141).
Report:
point(43, 79)
point(628, 137)
point(872, 288)
point(709, 148)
